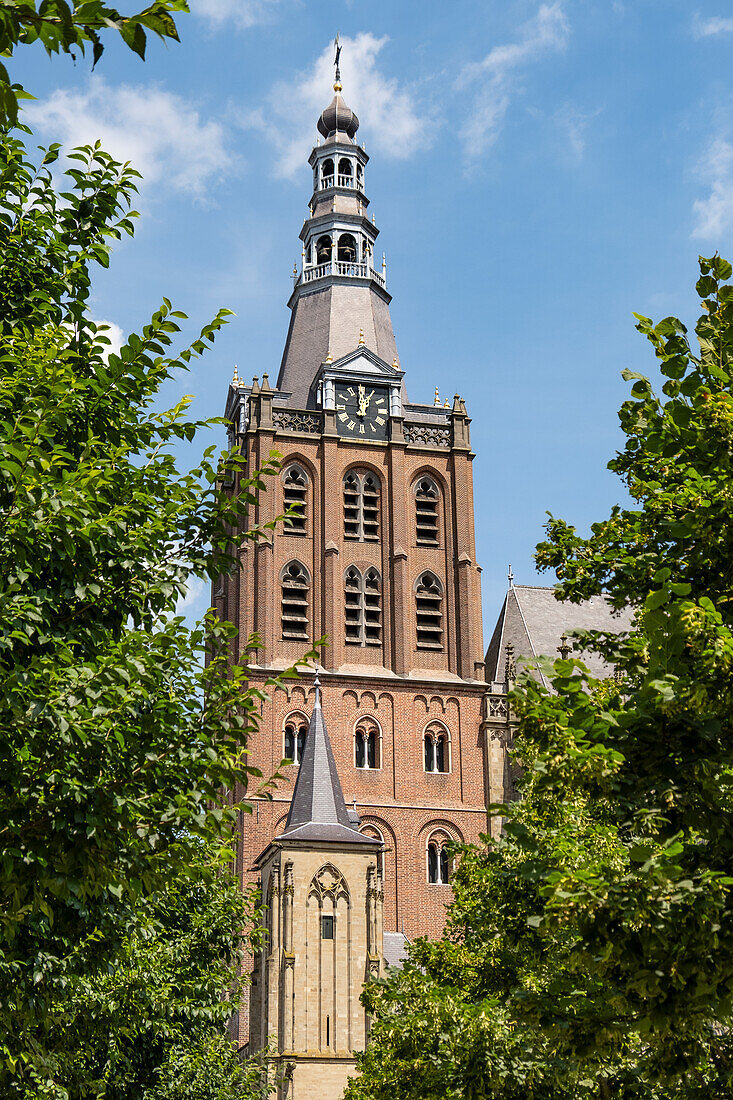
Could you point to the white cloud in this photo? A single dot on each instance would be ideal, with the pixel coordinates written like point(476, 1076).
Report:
point(716, 24)
point(389, 117)
point(162, 134)
point(115, 336)
point(572, 123)
point(241, 14)
point(497, 76)
point(714, 214)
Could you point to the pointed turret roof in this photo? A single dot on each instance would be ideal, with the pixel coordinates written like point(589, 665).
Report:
point(318, 810)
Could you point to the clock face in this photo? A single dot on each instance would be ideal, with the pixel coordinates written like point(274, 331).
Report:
point(362, 410)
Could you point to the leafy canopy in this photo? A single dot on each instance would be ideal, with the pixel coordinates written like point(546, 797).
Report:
point(119, 743)
point(589, 951)
point(61, 27)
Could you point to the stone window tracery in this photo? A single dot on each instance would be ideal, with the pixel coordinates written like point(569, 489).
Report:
point(429, 611)
point(295, 492)
point(367, 744)
point(438, 861)
point(295, 588)
point(361, 505)
point(296, 730)
point(363, 607)
point(436, 748)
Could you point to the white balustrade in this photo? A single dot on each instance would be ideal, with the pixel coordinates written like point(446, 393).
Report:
point(343, 268)
point(338, 181)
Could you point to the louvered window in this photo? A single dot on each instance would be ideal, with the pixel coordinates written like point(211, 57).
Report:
point(361, 506)
point(429, 612)
point(295, 587)
point(363, 607)
point(426, 512)
point(295, 489)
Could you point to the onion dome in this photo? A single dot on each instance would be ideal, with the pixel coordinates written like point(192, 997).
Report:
point(337, 117)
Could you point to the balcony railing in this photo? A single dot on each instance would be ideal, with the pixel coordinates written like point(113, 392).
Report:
point(339, 181)
point(341, 267)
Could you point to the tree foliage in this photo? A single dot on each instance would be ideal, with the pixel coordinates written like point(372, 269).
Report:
point(113, 769)
point(61, 27)
point(589, 952)
point(152, 1021)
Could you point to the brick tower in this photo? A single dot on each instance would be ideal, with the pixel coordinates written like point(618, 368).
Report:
point(380, 558)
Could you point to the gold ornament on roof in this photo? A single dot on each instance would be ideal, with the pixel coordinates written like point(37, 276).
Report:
point(361, 337)
point(437, 397)
point(235, 378)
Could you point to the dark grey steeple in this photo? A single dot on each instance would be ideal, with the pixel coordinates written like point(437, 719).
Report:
point(318, 811)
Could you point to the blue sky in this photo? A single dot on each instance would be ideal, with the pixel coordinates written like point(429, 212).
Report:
point(538, 173)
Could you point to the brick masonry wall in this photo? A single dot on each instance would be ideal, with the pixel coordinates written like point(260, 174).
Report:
point(398, 685)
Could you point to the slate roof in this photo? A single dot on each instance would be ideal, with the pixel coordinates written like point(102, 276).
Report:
point(327, 319)
point(318, 811)
point(533, 620)
point(394, 948)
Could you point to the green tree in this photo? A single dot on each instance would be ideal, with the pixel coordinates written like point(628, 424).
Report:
point(113, 769)
point(73, 28)
point(590, 950)
point(151, 1022)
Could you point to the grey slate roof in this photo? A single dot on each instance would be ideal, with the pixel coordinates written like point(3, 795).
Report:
point(394, 948)
point(318, 811)
point(534, 622)
point(328, 320)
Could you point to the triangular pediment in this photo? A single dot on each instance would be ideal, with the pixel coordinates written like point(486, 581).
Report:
point(364, 361)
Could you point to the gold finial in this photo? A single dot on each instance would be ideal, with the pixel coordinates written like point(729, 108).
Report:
point(396, 363)
point(374, 220)
point(361, 337)
point(437, 397)
point(329, 358)
point(446, 404)
point(295, 270)
point(235, 379)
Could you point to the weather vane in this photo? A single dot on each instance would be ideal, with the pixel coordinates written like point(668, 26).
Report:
point(337, 59)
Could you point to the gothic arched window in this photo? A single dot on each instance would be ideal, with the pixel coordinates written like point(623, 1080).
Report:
point(323, 250)
point(361, 505)
point(295, 583)
point(296, 728)
point(436, 748)
point(295, 489)
point(367, 744)
point(363, 607)
point(438, 861)
point(429, 611)
point(426, 512)
point(347, 248)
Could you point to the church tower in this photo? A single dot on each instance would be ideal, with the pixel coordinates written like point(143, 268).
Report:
point(323, 921)
point(379, 558)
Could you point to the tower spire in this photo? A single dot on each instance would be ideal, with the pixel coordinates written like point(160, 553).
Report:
point(340, 288)
point(318, 810)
